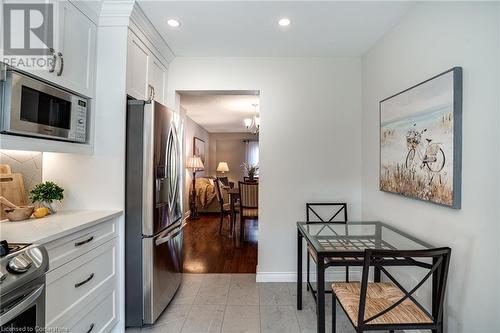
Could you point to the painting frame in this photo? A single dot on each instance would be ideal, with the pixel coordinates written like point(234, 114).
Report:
point(199, 149)
point(456, 165)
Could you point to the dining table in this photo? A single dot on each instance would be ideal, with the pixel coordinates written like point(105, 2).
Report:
point(343, 244)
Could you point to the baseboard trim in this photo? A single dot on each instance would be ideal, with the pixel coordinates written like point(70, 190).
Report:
point(331, 276)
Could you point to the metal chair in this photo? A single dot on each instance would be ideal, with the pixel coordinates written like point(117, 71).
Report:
point(249, 203)
point(388, 306)
point(337, 213)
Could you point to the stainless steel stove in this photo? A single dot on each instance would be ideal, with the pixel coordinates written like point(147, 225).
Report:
point(22, 287)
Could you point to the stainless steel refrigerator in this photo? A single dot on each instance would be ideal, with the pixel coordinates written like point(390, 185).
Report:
point(153, 212)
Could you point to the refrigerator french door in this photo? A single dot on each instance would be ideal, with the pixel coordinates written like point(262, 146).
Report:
point(153, 221)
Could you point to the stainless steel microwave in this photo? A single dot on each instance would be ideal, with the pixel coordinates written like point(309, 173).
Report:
point(32, 107)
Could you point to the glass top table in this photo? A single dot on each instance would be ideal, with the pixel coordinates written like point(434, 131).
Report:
point(347, 241)
point(354, 237)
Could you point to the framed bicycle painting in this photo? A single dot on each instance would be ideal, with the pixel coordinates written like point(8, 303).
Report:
point(421, 140)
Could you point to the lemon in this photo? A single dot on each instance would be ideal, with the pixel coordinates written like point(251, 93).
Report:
point(41, 212)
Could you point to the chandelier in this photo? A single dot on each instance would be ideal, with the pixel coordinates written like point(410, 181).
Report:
point(253, 124)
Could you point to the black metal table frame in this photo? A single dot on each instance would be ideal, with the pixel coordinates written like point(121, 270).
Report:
point(322, 265)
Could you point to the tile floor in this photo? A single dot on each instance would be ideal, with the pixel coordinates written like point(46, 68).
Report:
point(236, 303)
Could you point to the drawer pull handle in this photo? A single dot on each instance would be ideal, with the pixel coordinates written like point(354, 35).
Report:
point(90, 328)
point(84, 241)
point(79, 284)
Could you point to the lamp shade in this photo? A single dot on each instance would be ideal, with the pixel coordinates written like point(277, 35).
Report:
point(194, 163)
point(222, 167)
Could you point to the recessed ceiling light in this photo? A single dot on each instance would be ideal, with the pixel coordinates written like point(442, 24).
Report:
point(173, 23)
point(284, 22)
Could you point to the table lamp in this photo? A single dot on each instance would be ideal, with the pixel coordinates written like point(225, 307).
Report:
point(223, 167)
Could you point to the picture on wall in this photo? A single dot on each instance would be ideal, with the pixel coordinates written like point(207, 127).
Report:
point(199, 148)
point(421, 140)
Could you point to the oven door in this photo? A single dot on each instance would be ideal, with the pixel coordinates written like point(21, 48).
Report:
point(23, 310)
point(39, 109)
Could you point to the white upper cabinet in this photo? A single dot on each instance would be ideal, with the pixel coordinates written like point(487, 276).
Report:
point(146, 74)
point(73, 50)
point(138, 57)
point(157, 80)
point(76, 53)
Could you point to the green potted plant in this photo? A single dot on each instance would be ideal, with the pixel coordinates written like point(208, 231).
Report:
point(44, 195)
point(251, 170)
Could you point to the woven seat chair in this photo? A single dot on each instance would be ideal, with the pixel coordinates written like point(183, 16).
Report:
point(335, 213)
point(388, 306)
point(249, 203)
point(225, 207)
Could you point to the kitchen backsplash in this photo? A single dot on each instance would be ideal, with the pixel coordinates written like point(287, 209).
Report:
point(26, 162)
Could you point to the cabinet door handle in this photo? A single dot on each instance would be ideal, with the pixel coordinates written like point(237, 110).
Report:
point(54, 60)
point(79, 284)
point(90, 328)
point(150, 92)
point(154, 93)
point(61, 68)
point(88, 240)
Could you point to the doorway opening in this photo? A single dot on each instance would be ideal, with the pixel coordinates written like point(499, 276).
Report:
point(220, 130)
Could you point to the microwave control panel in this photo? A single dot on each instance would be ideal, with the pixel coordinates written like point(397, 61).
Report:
point(79, 128)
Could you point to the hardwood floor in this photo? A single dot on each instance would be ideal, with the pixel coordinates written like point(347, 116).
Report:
point(205, 251)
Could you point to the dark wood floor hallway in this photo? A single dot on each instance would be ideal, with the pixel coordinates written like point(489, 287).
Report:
point(205, 251)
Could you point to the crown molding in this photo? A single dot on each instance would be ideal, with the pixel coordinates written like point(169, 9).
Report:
point(141, 21)
point(116, 12)
point(127, 13)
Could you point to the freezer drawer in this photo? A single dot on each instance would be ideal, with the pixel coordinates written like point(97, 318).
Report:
point(162, 271)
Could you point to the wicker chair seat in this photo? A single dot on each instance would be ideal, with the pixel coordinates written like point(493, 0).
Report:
point(379, 296)
point(250, 212)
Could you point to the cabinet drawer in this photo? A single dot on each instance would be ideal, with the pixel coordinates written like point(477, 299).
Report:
point(73, 285)
point(68, 248)
point(98, 316)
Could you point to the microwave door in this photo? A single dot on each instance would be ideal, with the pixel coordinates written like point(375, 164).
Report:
point(35, 108)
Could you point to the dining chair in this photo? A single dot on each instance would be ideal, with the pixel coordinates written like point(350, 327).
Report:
point(249, 203)
point(225, 207)
point(321, 212)
point(388, 306)
point(225, 181)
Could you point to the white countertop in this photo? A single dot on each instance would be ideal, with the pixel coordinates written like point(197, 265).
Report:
point(53, 226)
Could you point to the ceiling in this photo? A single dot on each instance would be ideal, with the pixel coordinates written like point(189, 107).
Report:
point(250, 28)
point(219, 113)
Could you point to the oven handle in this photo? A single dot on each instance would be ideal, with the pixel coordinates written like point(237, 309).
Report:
point(21, 306)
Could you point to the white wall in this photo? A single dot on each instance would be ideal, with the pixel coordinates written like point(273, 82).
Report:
point(310, 139)
point(498, 266)
point(432, 38)
point(191, 130)
point(98, 181)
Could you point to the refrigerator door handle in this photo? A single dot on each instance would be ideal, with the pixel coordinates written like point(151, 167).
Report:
point(165, 239)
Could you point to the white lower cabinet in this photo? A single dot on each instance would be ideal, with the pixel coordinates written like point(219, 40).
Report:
point(98, 316)
point(81, 293)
